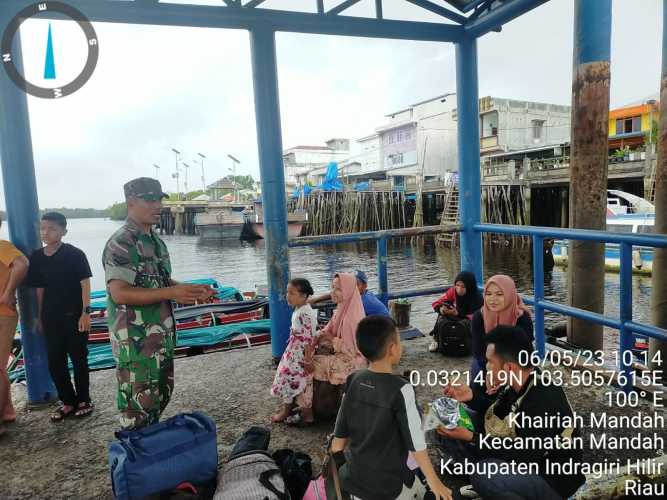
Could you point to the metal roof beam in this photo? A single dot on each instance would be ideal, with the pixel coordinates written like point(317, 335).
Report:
point(202, 16)
point(378, 9)
point(472, 5)
point(441, 11)
point(341, 7)
point(495, 18)
point(253, 3)
point(479, 10)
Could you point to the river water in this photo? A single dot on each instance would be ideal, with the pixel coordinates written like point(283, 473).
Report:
point(242, 264)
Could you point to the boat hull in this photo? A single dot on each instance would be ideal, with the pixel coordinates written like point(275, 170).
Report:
point(220, 231)
point(220, 224)
point(642, 258)
point(293, 229)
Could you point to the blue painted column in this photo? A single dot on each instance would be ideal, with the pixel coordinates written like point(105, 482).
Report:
point(625, 357)
point(383, 284)
point(538, 286)
point(272, 176)
point(589, 158)
point(470, 182)
point(659, 281)
point(18, 174)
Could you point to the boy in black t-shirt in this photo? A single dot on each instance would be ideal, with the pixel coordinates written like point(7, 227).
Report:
point(61, 274)
point(379, 422)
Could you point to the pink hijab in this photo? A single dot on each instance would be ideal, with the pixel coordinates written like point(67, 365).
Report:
point(514, 306)
point(348, 313)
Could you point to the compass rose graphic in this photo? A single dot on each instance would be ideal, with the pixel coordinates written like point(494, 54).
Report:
point(8, 58)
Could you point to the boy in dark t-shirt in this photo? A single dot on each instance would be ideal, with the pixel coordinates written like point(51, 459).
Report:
point(379, 422)
point(61, 274)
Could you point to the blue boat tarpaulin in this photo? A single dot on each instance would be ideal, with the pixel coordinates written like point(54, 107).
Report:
point(100, 356)
point(99, 297)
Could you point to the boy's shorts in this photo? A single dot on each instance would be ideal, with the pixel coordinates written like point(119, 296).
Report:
point(414, 492)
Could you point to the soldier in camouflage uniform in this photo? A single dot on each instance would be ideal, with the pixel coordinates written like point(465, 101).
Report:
point(141, 321)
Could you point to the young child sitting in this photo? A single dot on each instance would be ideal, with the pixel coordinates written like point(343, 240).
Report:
point(293, 383)
point(378, 420)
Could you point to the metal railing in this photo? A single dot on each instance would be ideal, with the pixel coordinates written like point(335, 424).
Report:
point(625, 324)
point(381, 237)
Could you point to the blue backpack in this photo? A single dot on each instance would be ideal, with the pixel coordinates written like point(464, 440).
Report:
point(163, 455)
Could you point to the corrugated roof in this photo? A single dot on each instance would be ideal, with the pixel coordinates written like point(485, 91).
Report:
point(366, 138)
point(312, 148)
point(221, 184)
point(653, 97)
point(629, 111)
point(392, 126)
point(461, 4)
point(527, 150)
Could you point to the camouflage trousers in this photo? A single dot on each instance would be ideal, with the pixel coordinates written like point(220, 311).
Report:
point(145, 375)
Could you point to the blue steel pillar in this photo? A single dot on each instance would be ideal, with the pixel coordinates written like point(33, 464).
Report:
point(470, 182)
point(383, 286)
point(589, 158)
point(659, 281)
point(626, 336)
point(269, 145)
point(538, 287)
point(18, 174)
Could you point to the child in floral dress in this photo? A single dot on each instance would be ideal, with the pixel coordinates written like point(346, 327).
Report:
point(293, 382)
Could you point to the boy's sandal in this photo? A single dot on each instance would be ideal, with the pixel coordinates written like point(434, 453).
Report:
point(295, 410)
point(84, 410)
point(297, 420)
point(468, 492)
point(59, 415)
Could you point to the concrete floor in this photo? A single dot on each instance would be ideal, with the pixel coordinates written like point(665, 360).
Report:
point(39, 459)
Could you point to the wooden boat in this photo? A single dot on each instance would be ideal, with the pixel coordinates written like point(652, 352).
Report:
point(221, 223)
point(642, 257)
point(197, 316)
point(255, 222)
point(626, 213)
point(200, 326)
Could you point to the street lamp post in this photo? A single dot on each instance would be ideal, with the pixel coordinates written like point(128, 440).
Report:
point(232, 171)
point(176, 176)
point(157, 169)
point(203, 180)
point(186, 178)
point(234, 163)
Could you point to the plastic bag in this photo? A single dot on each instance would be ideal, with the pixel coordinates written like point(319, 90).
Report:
point(448, 413)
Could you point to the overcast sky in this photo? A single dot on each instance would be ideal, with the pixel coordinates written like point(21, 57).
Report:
point(155, 88)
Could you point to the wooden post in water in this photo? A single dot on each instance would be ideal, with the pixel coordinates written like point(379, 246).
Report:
point(527, 195)
point(659, 280)
point(179, 221)
point(588, 166)
point(563, 207)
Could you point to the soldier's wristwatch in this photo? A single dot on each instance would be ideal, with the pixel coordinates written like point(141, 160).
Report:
point(88, 310)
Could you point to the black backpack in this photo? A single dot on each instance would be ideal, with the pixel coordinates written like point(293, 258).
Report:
point(296, 469)
point(454, 337)
point(254, 439)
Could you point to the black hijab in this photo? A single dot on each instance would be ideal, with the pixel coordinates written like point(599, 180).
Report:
point(472, 300)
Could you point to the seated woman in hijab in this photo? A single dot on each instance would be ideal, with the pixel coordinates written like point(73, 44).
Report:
point(458, 303)
point(502, 306)
point(337, 354)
